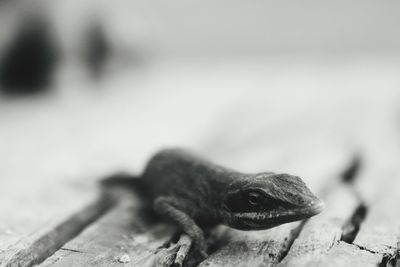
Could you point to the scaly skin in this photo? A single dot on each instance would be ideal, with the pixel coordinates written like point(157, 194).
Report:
point(195, 194)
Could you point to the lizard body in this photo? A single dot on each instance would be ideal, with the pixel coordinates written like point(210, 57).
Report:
point(195, 193)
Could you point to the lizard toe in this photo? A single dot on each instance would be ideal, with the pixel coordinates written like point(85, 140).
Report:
point(165, 257)
point(185, 243)
point(175, 254)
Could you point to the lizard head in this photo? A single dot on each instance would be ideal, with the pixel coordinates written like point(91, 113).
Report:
point(266, 200)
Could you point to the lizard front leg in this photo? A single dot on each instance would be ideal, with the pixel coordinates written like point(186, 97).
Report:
point(173, 209)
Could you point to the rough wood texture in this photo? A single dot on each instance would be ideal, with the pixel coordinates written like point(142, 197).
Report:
point(364, 216)
point(225, 113)
point(343, 254)
point(50, 242)
point(39, 223)
point(266, 247)
point(378, 186)
point(123, 231)
point(321, 233)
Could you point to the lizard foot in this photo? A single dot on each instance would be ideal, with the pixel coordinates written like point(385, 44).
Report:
point(176, 254)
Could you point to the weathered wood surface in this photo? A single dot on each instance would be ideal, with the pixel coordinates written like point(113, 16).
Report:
point(379, 230)
point(360, 226)
point(263, 143)
point(37, 213)
point(249, 244)
point(123, 231)
point(309, 132)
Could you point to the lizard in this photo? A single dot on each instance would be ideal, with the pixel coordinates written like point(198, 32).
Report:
point(197, 194)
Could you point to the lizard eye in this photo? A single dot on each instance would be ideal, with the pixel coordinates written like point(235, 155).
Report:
point(254, 198)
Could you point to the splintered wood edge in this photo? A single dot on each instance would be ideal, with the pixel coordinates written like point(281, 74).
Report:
point(54, 239)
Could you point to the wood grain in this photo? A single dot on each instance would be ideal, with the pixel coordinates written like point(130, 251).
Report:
point(50, 242)
point(54, 150)
point(323, 232)
point(123, 231)
point(322, 241)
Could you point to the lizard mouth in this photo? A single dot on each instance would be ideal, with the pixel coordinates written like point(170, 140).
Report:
point(266, 220)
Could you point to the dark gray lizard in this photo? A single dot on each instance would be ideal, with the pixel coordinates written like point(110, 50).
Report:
point(196, 194)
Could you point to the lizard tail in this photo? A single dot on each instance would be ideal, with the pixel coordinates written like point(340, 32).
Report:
point(119, 180)
point(124, 181)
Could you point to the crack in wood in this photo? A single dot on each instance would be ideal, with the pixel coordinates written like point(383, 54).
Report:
point(365, 248)
point(352, 226)
point(72, 250)
point(294, 234)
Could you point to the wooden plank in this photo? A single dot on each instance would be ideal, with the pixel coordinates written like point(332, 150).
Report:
point(377, 186)
point(323, 239)
point(281, 130)
point(32, 218)
point(380, 231)
point(322, 234)
point(46, 244)
point(124, 232)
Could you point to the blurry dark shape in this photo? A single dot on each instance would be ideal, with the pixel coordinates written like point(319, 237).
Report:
point(97, 49)
point(351, 228)
point(30, 60)
point(351, 172)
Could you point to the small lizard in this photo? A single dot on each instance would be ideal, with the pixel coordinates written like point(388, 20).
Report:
point(196, 194)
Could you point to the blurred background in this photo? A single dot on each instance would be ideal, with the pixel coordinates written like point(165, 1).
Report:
point(89, 87)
